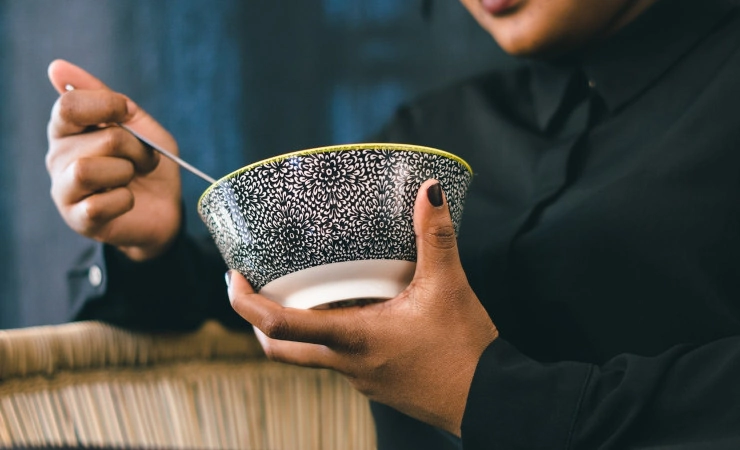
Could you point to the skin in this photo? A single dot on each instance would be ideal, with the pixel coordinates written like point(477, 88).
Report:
point(105, 183)
point(416, 352)
point(550, 28)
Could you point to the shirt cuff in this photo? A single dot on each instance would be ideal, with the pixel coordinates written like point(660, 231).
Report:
point(87, 280)
point(516, 402)
point(165, 293)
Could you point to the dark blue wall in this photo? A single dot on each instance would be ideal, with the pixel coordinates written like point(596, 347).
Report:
point(8, 306)
point(234, 80)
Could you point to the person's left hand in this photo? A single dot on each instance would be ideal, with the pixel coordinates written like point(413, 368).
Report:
point(416, 353)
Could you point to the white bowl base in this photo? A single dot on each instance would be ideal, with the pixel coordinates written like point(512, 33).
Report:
point(341, 284)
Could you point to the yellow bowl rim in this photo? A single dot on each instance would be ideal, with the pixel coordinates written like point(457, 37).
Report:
point(337, 148)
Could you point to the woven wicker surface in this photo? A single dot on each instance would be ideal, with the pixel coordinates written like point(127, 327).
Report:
point(90, 384)
point(89, 345)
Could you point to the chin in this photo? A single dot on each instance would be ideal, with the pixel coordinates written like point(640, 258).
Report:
point(521, 47)
point(532, 45)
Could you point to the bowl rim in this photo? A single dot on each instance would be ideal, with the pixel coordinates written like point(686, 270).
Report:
point(338, 148)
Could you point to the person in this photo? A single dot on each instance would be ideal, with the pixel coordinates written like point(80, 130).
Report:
point(592, 298)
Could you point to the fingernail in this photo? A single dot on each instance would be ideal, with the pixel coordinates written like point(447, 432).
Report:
point(434, 194)
point(227, 276)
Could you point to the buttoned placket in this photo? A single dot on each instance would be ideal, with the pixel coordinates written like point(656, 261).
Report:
point(555, 168)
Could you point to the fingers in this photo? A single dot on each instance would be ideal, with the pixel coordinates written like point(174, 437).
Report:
point(298, 353)
point(330, 327)
point(437, 254)
point(111, 141)
point(90, 175)
point(77, 110)
point(92, 103)
point(92, 216)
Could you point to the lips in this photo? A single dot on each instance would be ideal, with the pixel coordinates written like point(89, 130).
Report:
point(497, 7)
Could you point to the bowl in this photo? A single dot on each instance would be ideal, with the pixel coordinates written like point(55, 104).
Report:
point(329, 226)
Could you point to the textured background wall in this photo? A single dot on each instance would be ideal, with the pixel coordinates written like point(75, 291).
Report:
point(234, 80)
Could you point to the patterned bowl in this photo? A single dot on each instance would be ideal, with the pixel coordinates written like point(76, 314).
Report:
point(329, 226)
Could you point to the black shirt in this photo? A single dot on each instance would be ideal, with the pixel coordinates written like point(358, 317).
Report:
point(601, 232)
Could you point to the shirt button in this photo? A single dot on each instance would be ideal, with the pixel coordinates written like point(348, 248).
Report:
point(95, 276)
point(591, 84)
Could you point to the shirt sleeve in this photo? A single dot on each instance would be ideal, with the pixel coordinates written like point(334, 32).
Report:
point(177, 291)
point(686, 397)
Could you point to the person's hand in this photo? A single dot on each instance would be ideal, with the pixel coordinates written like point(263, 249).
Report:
point(106, 184)
point(416, 352)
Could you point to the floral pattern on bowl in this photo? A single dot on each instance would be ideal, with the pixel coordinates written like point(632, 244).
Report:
point(326, 205)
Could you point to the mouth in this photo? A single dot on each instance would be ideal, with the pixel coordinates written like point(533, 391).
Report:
point(497, 7)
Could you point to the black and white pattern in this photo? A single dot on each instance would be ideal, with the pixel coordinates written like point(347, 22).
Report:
point(323, 206)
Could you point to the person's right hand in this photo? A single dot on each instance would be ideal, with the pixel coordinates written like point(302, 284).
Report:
point(107, 184)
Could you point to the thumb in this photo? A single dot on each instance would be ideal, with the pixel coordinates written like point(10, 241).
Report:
point(436, 242)
point(63, 73)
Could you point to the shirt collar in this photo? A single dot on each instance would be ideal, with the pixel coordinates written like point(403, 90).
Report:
point(549, 86)
point(633, 58)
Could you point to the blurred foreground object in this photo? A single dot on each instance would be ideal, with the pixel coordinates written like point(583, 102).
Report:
point(89, 384)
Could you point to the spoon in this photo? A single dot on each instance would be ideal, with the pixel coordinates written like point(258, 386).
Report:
point(161, 150)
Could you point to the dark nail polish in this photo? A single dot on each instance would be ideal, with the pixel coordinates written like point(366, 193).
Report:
point(434, 193)
point(227, 276)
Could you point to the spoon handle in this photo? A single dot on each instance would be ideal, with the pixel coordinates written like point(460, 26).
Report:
point(173, 157)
